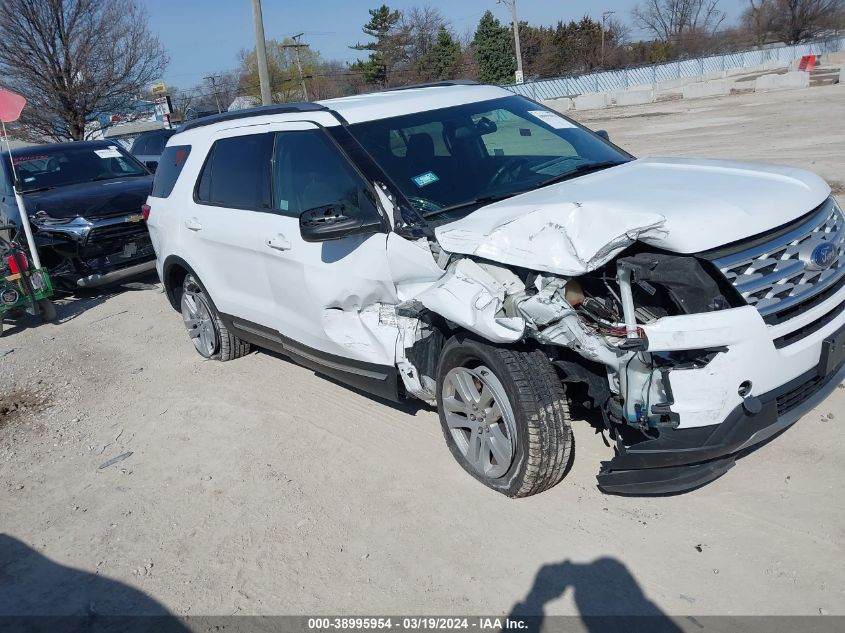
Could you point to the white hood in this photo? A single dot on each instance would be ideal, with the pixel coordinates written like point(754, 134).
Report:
point(681, 205)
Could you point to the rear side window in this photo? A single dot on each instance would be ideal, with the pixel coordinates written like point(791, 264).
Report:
point(140, 145)
point(168, 170)
point(236, 173)
point(155, 144)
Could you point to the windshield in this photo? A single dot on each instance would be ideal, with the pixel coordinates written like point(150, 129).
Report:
point(463, 156)
point(46, 167)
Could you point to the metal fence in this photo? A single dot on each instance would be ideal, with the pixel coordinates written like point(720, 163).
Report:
point(622, 79)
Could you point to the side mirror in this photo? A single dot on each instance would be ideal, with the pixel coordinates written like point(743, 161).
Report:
point(335, 221)
point(152, 165)
point(603, 134)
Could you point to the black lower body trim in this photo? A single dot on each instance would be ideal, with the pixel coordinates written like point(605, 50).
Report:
point(683, 459)
point(378, 380)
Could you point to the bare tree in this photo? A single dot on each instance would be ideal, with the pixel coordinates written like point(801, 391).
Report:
point(679, 20)
point(422, 24)
point(792, 20)
point(756, 19)
point(797, 20)
point(75, 59)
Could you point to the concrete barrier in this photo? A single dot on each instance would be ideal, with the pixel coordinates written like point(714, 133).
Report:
point(561, 104)
point(592, 101)
point(633, 97)
point(715, 88)
point(786, 81)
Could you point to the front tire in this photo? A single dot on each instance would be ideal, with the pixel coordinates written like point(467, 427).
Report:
point(206, 330)
point(504, 414)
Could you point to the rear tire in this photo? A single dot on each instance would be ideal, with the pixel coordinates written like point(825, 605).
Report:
point(505, 415)
point(206, 330)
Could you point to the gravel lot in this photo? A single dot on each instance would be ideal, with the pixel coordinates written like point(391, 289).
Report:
point(257, 487)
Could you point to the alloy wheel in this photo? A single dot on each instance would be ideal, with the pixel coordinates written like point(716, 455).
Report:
point(480, 418)
point(199, 323)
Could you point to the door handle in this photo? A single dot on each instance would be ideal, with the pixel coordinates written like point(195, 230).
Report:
point(193, 224)
point(279, 242)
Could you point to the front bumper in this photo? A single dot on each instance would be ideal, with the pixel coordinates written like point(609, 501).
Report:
point(94, 253)
point(685, 458)
point(714, 422)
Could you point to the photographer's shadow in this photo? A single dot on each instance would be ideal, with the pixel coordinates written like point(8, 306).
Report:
point(40, 594)
point(605, 592)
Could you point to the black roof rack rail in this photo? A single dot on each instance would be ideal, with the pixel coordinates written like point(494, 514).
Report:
point(280, 108)
point(436, 84)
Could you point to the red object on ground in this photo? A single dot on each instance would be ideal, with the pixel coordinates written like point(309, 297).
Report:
point(11, 106)
point(808, 62)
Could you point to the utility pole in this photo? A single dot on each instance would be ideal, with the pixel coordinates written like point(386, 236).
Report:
point(213, 81)
point(511, 4)
point(296, 48)
point(603, 21)
point(261, 53)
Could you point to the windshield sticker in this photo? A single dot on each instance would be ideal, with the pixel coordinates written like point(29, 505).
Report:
point(425, 179)
point(550, 118)
point(110, 152)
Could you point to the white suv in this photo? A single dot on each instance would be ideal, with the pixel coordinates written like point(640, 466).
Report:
point(469, 247)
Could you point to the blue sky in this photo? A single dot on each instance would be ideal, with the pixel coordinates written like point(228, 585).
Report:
point(204, 36)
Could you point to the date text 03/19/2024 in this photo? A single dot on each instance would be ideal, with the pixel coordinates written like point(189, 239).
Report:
point(416, 623)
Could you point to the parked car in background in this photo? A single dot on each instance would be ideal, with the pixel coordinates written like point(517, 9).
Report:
point(84, 203)
point(148, 147)
point(472, 248)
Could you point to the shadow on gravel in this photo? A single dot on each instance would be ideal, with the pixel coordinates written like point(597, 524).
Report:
point(607, 596)
point(70, 306)
point(37, 594)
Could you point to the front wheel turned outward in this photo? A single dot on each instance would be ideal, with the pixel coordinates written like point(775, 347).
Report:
point(504, 415)
point(207, 332)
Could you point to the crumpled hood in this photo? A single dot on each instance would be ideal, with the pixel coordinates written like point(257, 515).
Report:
point(680, 205)
point(89, 200)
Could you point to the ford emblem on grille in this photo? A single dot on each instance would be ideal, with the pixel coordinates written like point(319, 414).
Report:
point(821, 257)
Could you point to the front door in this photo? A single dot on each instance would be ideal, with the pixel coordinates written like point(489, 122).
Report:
point(329, 293)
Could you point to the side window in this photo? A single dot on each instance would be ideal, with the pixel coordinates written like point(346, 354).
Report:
point(140, 146)
point(5, 181)
point(169, 168)
point(518, 136)
point(237, 173)
point(155, 144)
point(310, 171)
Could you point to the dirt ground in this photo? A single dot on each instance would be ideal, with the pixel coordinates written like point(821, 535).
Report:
point(257, 487)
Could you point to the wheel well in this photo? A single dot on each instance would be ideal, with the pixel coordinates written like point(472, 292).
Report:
point(174, 276)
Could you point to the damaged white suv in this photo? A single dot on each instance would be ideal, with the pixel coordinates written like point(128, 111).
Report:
point(469, 247)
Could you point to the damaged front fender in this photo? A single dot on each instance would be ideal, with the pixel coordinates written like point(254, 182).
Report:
point(471, 297)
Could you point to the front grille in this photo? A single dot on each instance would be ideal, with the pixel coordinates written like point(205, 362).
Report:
point(777, 275)
point(112, 241)
point(800, 394)
point(124, 231)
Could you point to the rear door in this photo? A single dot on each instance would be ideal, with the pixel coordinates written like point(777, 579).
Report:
point(224, 227)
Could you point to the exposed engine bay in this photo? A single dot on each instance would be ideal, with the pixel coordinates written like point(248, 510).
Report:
point(591, 325)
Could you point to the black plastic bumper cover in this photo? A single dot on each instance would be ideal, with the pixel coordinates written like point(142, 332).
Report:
point(683, 459)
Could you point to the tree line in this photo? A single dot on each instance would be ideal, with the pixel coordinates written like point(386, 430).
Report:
point(74, 59)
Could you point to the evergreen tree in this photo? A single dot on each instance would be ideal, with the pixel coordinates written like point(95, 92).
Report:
point(442, 59)
point(388, 48)
point(493, 46)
